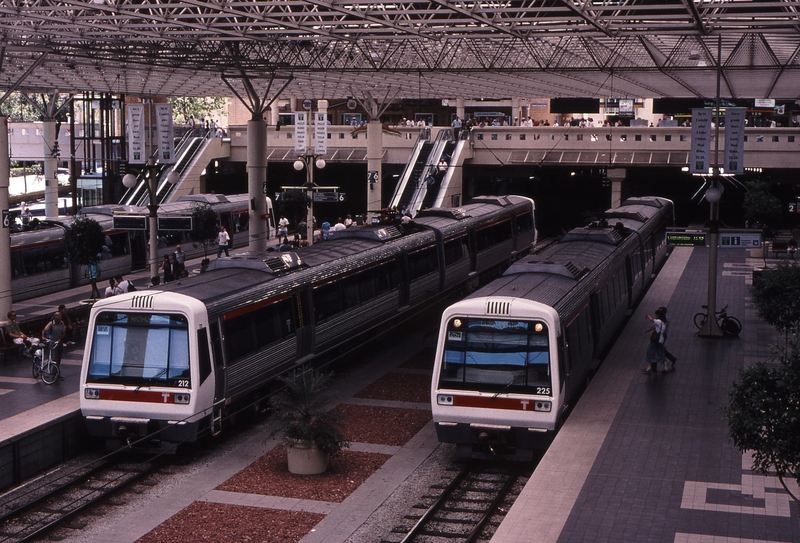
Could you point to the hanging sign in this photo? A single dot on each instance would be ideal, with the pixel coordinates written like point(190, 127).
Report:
point(701, 130)
point(300, 133)
point(165, 138)
point(135, 134)
point(320, 133)
point(734, 140)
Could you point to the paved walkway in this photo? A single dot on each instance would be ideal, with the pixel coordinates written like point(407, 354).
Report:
point(646, 458)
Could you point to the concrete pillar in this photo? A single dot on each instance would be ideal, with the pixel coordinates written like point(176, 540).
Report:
point(374, 166)
point(515, 111)
point(460, 107)
point(256, 183)
point(274, 113)
point(5, 230)
point(616, 176)
point(50, 162)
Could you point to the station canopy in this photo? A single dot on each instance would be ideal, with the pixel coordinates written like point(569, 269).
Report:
point(440, 49)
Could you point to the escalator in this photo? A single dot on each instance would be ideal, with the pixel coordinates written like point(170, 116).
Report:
point(412, 174)
point(437, 175)
point(185, 149)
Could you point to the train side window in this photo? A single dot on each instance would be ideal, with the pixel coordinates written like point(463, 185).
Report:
point(386, 276)
point(422, 262)
point(350, 289)
point(367, 281)
point(327, 301)
point(455, 250)
point(203, 356)
point(256, 329)
point(524, 222)
point(492, 235)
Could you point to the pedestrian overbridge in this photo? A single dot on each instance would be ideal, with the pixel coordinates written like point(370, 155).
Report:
point(545, 146)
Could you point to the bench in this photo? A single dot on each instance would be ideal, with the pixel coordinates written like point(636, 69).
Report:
point(7, 345)
point(779, 247)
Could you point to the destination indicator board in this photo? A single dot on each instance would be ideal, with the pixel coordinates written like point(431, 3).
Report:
point(686, 239)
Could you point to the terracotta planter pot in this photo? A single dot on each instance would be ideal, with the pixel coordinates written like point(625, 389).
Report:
point(306, 459)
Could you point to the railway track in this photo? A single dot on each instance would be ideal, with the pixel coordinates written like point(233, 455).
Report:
point(29, 512)
point(468, 508)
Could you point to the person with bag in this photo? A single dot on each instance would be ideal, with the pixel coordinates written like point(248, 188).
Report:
point(671, 357)
point(655, 349)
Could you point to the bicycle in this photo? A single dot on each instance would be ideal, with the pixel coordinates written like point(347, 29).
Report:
point(730, 326)
point(43, 365)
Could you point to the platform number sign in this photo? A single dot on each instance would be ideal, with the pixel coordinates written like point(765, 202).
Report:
point(6, 219)
point(793, 207)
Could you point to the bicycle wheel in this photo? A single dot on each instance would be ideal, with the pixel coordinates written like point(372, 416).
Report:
point(50, 373)
point(731, 326)
point(35, 369)
point(699, 320)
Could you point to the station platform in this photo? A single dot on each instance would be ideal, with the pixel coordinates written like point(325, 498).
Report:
point(647, 457)
point(641, 458)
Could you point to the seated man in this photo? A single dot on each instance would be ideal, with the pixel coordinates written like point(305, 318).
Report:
point(791, 246)
point(17, 336)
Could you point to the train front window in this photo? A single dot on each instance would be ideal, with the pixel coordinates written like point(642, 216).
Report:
point(140, 349)
point(496, 356)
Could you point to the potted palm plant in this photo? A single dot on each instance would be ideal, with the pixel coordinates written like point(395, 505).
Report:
point(311, 431)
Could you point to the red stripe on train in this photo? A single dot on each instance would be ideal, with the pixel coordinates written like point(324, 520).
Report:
point(487, 402)
point(133, 396)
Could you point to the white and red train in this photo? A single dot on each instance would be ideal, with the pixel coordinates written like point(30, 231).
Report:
point(162, 366)
point(514, 356)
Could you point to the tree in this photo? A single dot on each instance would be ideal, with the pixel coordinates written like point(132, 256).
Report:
point(84, 239)
point(776, 296)
point(763, 416)
point(204, 226)
point(293, 204)
point(760, 206)
point(185, 108)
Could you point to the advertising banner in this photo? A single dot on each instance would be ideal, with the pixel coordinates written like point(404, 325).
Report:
point(300, 133)
point(135, 134)
point(734, 140)
point(320, 133)
point(701, 141)
point(165, 135)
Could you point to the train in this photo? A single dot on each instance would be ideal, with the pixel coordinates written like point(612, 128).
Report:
point(164, 366)
point(514, 356)
point(39, 263)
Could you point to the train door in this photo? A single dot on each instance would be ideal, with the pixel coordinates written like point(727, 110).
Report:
point(219, 363)
point(138, 249)
point(219, 379)
point(305, 328)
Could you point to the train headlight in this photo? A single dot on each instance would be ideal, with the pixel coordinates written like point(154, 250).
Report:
point(538, 327)
point(541, 405)
point(444, 399)
point(457, 323)
point(91, 393)
point(181, 398)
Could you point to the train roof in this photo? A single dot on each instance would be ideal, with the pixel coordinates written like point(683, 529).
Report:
point(548, 276)
point(246, 278)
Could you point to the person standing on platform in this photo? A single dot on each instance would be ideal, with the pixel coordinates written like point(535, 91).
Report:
point(55, 331)
point(222, 242)
point(180, 261)
point(93, 270)
point(671, 357)
point(326, 230)
point(283, 227)
point(166, 268)
point(655, 349)
point(67, 322)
